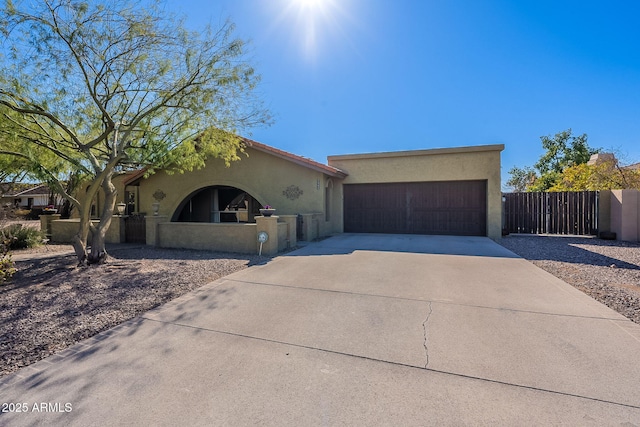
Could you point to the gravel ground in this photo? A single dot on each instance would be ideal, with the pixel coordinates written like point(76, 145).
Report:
point(50, 304)
point(606, 270)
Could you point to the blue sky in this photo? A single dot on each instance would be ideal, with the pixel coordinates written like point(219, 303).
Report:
point(357, 76)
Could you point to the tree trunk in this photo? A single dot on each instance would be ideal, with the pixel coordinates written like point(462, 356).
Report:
point(80, 248)
point(80, 239)
point(98, 253)
point(86, 230)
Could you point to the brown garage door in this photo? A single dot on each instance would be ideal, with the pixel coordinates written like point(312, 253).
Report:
point(446, 207)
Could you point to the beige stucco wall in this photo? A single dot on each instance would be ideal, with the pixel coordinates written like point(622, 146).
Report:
point(63, 230)
point(447, 164)
point(625, 214)
point(263, 176)
point(225, 237)
point(283, 235)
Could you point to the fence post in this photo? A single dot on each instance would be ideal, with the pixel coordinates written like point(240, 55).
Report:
point(547, 219)
point(45, 223)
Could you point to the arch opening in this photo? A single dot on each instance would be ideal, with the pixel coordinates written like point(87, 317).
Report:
point(218, 203)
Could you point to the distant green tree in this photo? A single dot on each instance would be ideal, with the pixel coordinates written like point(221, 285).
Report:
point(563, 150)
point(606, 175)
point(109, 86)
point(521, 178)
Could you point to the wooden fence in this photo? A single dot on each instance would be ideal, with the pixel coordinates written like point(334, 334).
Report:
point(551, 213)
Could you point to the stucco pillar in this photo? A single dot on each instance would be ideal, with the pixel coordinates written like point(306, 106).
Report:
point(309, 230)
point(115, 234)
point(270, 226)
point(45, 223)
point(152, 229)
point(292, 222)
point(624, 214)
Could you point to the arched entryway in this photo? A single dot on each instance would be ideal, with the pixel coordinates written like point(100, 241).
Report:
point(217, 203)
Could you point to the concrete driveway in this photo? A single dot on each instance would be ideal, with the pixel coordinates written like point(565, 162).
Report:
point(354, 330)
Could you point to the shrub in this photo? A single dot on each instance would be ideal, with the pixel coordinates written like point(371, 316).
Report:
point(7, 267)
point(22, 212)
point(18, 237)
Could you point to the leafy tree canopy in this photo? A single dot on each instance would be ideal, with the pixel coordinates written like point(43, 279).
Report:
point(563, 150)
point(102, 87)
point(607, 175)
point(521, 178)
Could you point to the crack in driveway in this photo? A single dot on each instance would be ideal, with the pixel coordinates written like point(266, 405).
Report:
point(424, 327)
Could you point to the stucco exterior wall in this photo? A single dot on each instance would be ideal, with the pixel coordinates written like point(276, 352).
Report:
point(63, 230)
point(226, 237)
point(263, 176)
point(447, 164)
point(625, 214)
point(283, 236)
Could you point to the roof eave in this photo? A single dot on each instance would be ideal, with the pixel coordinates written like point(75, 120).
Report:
point(299, 160)
point(130, 180)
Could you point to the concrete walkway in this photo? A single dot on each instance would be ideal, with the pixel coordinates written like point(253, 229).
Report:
point(354, 330)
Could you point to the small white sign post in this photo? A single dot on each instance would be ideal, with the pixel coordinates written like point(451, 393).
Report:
point(262, 238)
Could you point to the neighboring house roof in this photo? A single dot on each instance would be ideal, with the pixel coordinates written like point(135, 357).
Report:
point(38, 190)
point(606, 157)
point(8, 189)
point(634, 166)
point(601, 158)
point(302, 161)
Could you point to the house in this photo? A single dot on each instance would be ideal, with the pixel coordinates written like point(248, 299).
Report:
point(436, 191)
point(36, 197)
point(599, 158)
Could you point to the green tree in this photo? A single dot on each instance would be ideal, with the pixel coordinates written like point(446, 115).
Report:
point(607, 175)
point(521, 178)
point(12, 169)
point(563, 150)
point(109, 86)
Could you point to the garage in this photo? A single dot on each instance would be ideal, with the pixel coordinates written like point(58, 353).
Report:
point(436, 207)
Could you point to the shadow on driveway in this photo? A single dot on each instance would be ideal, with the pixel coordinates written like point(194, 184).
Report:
point(348, 243)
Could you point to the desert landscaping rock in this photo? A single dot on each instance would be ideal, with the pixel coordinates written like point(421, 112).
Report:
point(606, 270)
point(51, 304)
